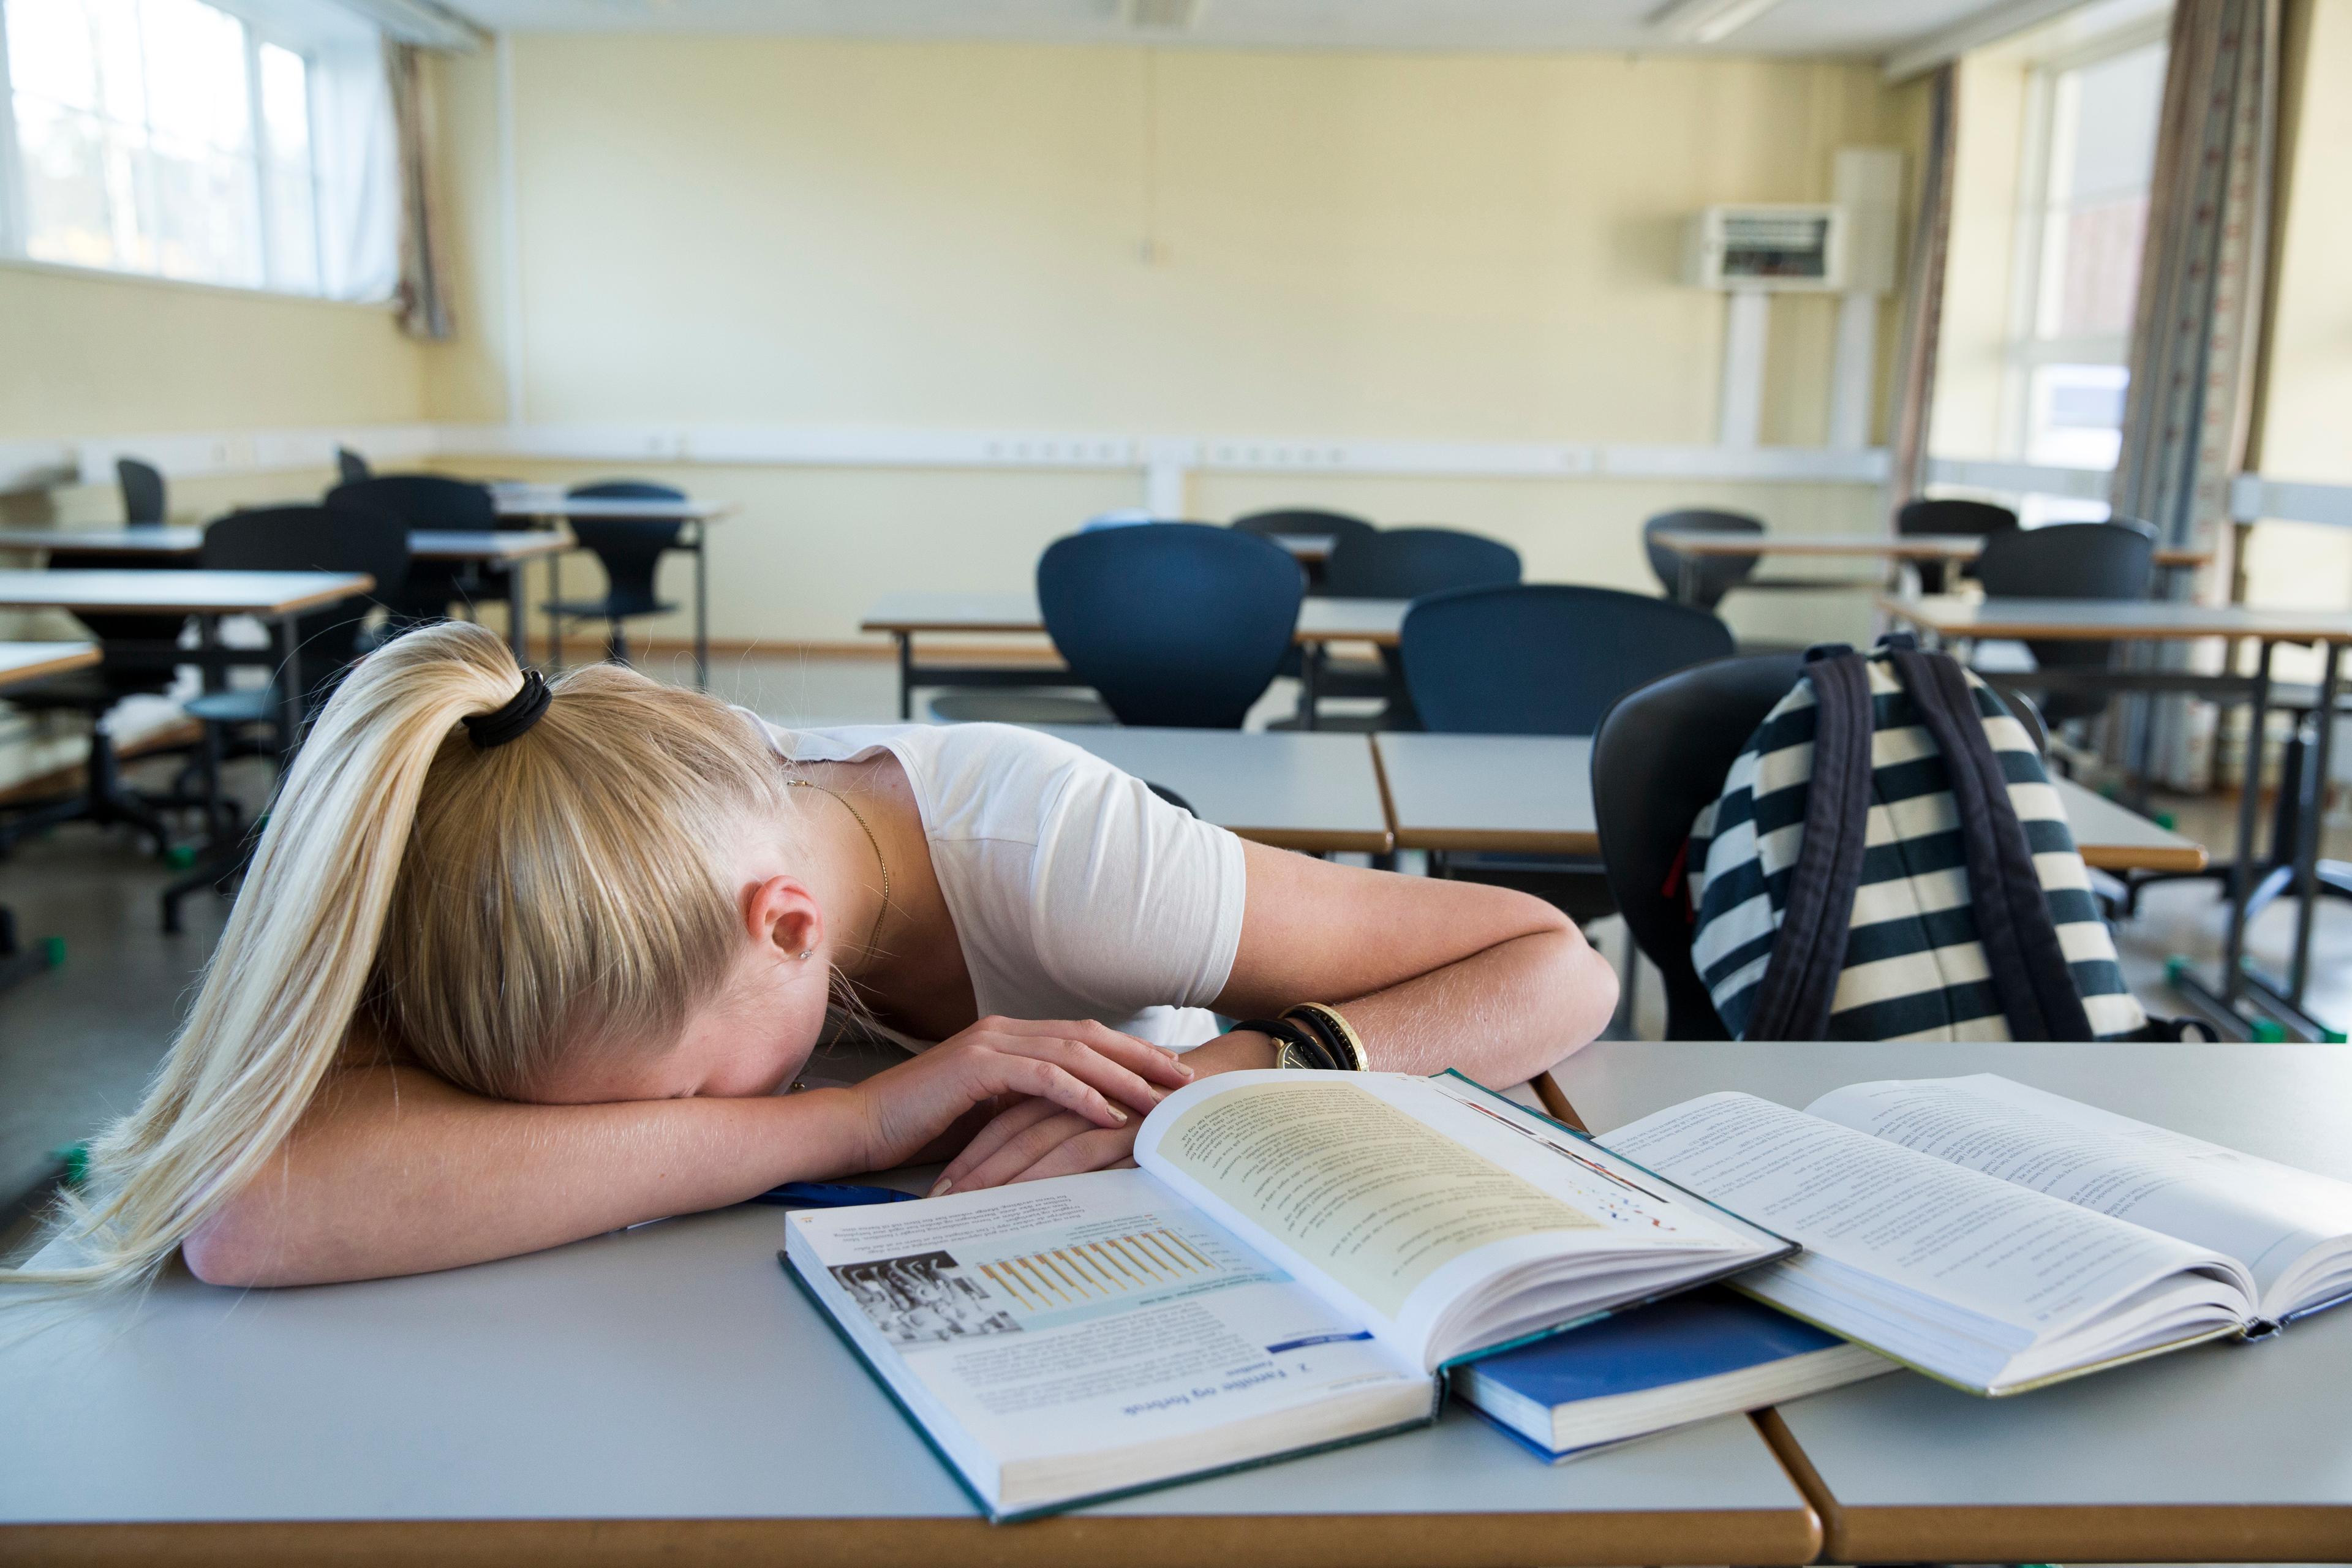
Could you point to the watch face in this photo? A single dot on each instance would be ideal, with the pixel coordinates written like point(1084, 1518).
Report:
point(1291, 1057)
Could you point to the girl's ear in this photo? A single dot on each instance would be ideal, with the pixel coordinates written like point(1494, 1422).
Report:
point(781, 915)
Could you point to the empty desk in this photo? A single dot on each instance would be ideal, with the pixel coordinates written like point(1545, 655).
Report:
point(1532, 795)
point(549, 504)
point(2150, 621)
point(1690, 546)
point(2230, 1452)
point(1014, 613)
point(21, 664)
point(1287, 788)
point(133, 545)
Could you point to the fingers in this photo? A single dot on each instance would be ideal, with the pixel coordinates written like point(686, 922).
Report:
point(1001, 1129)
point(1048, 1080)
point(1156, 1063)
point(1057, 1146)
point(1080, 1061)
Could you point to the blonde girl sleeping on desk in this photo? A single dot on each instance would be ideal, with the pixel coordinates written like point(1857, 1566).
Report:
point(517, 965)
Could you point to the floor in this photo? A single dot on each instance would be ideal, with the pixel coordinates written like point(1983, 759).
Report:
point(78, 1043)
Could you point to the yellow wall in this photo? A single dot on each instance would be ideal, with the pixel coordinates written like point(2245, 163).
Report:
point(765, 231)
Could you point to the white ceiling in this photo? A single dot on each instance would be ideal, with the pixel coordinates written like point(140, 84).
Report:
point(1871, 28)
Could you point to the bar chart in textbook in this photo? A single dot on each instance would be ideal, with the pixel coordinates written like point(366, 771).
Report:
point(1052, 1277)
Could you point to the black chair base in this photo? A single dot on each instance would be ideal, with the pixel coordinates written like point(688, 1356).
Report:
point(105, 801)
point(18, 962)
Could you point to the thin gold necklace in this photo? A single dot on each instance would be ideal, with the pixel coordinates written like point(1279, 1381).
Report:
point(859, 817)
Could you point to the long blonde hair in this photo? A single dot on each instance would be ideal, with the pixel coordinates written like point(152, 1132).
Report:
point(488, 909)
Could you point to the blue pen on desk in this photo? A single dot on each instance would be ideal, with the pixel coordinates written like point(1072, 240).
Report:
point(832, 1196)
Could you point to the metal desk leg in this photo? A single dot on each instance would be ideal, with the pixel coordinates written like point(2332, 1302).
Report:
point(287, 647)
point(518, 630)
point(2306, 848)
point(2241, 874)
point(905, 641)
point(1310, 679)
point(554, 621)
point(701, 611)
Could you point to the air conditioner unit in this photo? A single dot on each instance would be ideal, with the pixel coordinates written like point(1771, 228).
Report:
point(1781, 247)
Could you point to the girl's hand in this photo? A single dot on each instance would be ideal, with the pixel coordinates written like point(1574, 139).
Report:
point(1081, 1068)
point(1032, 1141)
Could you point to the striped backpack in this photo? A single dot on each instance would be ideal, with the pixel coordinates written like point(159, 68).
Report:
point(1888, 861)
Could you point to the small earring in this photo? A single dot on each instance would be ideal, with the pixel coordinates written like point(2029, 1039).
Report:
point(807, 954)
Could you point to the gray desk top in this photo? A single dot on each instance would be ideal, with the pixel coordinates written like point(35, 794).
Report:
point(1293, 789)
point(2245, 1450)
point(1533, 794)
point(2106, 620)
point(179, 592)
point(1016, 611)
point(671, 1373)
point(23, 661)
point(1886, 546)
point(534, 500)
point(487, 544)
point(152, 540)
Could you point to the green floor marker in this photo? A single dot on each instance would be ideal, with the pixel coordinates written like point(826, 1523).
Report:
point(179, 857)
point(2174, 968)
point(2166, 821)
point(76, 1157)
point(53, 950)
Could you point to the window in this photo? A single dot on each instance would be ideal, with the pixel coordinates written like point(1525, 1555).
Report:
point(2090, 155)
point(169, 137)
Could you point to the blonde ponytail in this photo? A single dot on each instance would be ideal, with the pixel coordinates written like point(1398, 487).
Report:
point(488, 909)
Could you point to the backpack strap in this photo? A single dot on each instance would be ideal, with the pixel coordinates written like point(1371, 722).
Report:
point(1792, 1001)
point(2028, 967)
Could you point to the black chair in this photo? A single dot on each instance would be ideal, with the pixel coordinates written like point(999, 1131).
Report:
point(330, 640)
point(1659, 757)
point(1710, 577)
point(1545, 659)
point(1404, 563)
point(142, 491)
point(351, 466)
point(630, 550)
point(424, 501)
point(1173, 623)
point(1981, 517)
point(2112, 560)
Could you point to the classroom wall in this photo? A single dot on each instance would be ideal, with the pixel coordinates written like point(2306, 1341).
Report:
point(768, 232)
point(1968, 412)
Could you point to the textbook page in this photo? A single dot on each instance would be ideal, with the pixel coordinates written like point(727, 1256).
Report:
point(1976, 1257)
point(2266, 1216)
point(1400, 1197)
point(1085, 1318)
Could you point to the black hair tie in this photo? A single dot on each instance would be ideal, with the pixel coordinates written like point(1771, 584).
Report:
point(522, 711)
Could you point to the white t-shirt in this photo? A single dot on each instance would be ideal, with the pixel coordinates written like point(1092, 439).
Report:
point(1076, 891)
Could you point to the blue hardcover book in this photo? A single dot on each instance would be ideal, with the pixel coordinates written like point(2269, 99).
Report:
point(1689, 1358)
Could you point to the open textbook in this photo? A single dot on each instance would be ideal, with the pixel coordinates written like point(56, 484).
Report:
point(2000, 1237)
point(1297, 1257)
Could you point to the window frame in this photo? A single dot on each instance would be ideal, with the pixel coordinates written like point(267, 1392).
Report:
point(15, 225)
point(2024, 351)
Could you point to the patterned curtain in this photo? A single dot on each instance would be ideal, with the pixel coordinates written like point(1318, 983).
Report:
point(1923, 295)
point(2196, 331)
point(2200, 292)
point(424, 294)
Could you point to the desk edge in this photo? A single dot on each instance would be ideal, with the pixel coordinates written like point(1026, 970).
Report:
point(1791, 1535)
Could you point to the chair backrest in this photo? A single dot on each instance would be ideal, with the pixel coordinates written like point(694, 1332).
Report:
point(350, 465)
point(1338, 525)
point(629, 548)
point(1544, 659)
point(2112, 560)
point(1713, 575)
point(1173, 623)
point(317, 539)
point(142, 491)
point(1406, 563)
point(1978, 517)
point(422, 500)
point(1659, 756)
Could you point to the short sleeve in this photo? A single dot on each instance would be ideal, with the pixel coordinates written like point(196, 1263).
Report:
point(1135, 903)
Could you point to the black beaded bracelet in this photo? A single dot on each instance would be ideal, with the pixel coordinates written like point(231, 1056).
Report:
point(1299, 1039)
point(1332, 1031)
